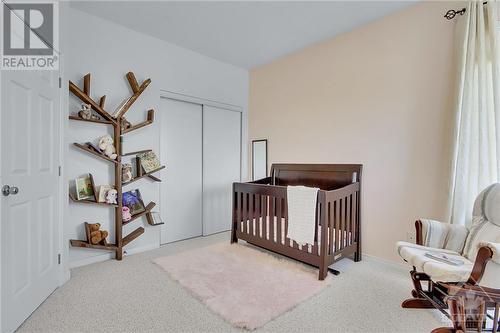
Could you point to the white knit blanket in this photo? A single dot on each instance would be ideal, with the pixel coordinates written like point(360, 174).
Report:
point(301, 213)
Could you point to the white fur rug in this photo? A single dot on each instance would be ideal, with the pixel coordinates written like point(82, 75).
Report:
point(244, 285)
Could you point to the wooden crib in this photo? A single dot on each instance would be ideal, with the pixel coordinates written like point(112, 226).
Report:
point(259, 205)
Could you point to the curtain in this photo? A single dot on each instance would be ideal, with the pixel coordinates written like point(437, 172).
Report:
point(476, 152)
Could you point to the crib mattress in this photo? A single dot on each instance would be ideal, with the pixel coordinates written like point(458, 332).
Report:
point(274, 223)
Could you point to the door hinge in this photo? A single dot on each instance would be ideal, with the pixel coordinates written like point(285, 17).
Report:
point(60, 82)
point(59, 259)
point(60, 171)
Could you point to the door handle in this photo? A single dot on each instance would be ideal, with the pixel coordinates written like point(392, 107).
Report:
point(8, 190)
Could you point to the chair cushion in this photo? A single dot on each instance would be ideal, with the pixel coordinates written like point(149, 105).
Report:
point(455, 240)
point(481, 231)
point(491, 204)
point(442, 235)
point(438, 271)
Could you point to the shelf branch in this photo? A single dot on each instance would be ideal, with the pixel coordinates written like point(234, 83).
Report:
point(93, 152)
point(80, 243)
point(149, 207)
point(86, 84)
point(104, 122)
point(102, 100)
point(86, 98)
point(133, 235)
point(149, 120)
point(137, 92)
point(85, 201)
point(142, 176)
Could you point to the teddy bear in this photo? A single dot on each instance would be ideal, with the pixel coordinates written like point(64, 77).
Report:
point(86, 112)
point(111, 196)
point(126, 216)
point(125, 124)
point(126, 172)
point(106, 146)
point(96, 235)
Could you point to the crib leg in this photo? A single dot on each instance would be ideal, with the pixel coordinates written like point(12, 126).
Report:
point(322, 273)
point(234, 238)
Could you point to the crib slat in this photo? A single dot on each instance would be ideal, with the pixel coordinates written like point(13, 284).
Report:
point(355, 214)
point(333, 227)
point(343, 222)
point(252, 213)
point(245, 213)
point(238, 211)
point(337, 224)
point(348, 226)
point(271, 217)
point(258, 214)
point(266, 217)
point(278, 219)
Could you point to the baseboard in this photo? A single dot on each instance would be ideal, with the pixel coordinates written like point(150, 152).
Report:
point(91, 260)
point(107, 256)
point(398, 265)
point(140, 249)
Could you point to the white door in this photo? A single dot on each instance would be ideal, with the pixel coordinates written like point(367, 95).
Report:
point(221, 166)
point(30, 143)
point(181, 144)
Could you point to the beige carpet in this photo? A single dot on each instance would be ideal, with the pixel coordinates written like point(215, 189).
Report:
point(244, 285)
point(135, 296)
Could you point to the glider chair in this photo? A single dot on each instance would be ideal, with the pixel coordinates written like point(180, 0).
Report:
point(467, 291)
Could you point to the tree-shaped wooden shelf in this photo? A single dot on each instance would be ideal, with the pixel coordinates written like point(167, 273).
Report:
point(115, 121)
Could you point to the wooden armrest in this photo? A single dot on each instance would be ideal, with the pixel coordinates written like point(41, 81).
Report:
point(418, 231)
point(465, 289)
point(483, 256)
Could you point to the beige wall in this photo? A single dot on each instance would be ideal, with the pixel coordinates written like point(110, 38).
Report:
point(381, 95)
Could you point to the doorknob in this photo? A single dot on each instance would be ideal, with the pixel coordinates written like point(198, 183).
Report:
point(7, 190)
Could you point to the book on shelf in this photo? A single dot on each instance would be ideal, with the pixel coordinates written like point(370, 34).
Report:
point(443, 257)
point(133, 200)
point(149, 161)
point(85, 188)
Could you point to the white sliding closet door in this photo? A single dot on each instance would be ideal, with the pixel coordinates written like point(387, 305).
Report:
point(181, 151)
point(221, 166)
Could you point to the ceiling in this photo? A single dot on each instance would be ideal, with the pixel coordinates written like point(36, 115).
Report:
point(243, 33)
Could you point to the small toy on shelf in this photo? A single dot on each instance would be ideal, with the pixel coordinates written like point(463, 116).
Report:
point(86, 112)
point(106, 144)
point(125, 124)
point(126, 172)
point(96, 235)
point(126, 216)
point(111, 197)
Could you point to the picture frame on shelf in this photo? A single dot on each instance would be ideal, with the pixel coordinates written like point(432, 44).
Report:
point(85, 189)
point(149, 161)
point(103, 190)
point(154, 218)
point(133, 200)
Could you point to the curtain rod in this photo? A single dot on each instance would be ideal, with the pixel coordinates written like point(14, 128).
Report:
point(450, 14)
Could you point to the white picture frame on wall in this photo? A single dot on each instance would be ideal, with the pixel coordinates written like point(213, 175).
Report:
point(259, 159)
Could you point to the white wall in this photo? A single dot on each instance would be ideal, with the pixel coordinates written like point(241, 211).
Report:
point(108, 51)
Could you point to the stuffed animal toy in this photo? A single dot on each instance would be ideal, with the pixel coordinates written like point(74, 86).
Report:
point(111, 196)
point(126, 172)
point(106, 146)
point(126, 216)
point(86, 112)
point(97, 235)
point(125, 124)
